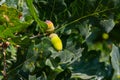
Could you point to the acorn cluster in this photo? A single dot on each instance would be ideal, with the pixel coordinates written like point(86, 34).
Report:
point(55, 39)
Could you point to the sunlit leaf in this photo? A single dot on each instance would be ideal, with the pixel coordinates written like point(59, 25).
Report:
point(115, 59)
point(85, 29)
point(32, 77)
point(108, 25)
point(66, 56)
point(82, 76)
point(49, 63)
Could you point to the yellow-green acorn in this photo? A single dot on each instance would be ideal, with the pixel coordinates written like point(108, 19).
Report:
point(105, 36)
point(56, 41)
point(50, 25)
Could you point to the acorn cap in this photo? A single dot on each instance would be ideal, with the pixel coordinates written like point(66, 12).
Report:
point(49, 23)
point(53, 35)
point(50, 26)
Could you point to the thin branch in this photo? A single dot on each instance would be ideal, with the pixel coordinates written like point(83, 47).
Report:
point(63, 26)
point(20, 64)
point(4, 72)
point(98, 5)
point(52, 9)
point(35, 36)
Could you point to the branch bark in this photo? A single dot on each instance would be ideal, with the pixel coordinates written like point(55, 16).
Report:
point(5, 65)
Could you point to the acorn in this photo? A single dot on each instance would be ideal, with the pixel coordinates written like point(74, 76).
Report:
point(105, 36)
point(56, 41)
point(50, 25)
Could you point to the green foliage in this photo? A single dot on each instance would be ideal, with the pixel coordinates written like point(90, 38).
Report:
point(10, 22)
point(33, 12)
point(80, 24)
